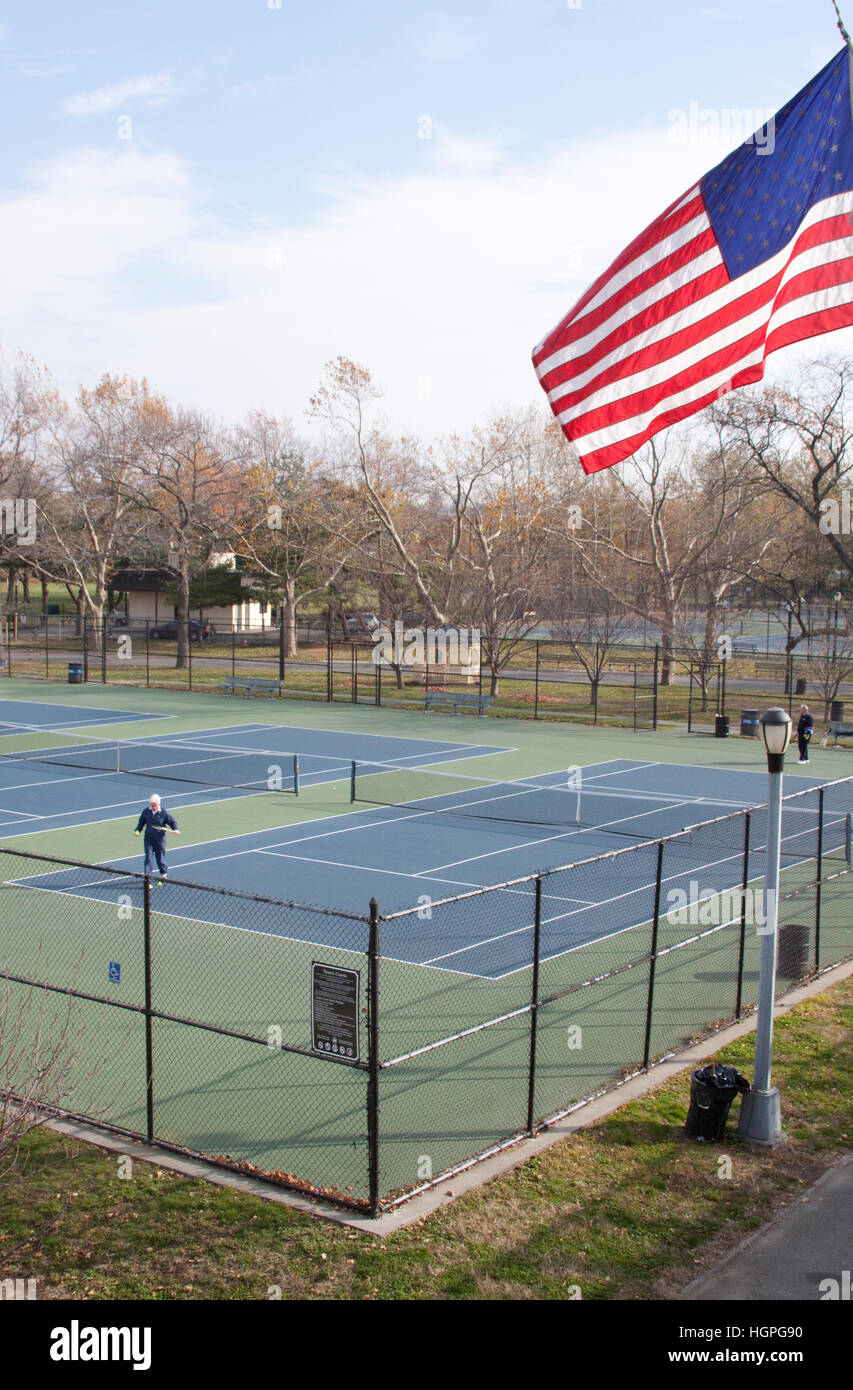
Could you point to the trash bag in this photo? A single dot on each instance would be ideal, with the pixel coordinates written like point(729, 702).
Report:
point(712, 1090)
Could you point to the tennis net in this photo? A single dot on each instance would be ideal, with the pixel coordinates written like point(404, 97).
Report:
point(190, 760)
point(552, 799)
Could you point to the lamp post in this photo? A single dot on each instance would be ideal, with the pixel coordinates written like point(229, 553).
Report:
point(760, 1116)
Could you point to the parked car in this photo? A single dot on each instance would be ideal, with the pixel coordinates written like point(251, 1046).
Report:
point(199, 632)
point(361, 622)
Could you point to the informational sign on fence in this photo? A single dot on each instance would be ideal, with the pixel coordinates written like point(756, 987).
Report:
point(334, 1011)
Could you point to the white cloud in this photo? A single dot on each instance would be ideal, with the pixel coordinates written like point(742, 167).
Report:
point(446, 274)
point(153, 89)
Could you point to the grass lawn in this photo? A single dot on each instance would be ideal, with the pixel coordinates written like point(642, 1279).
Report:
point(629, 1208)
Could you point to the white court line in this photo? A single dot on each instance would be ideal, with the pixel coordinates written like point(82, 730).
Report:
point(616, 897)
point(358, 868)
point(563, 835)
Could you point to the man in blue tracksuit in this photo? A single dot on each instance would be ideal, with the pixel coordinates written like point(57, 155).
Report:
point(155, 821)
point(805, 729)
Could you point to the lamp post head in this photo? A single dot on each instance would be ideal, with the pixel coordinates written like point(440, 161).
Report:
point(776, 732)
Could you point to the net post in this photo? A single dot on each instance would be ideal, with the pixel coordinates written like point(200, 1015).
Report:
point(352, 782)
point(296, 774)
point(653, 951)
point(819, 879)
point(149, 1059)
point(534, 1005)
point(744, 891)
point(373, 1057)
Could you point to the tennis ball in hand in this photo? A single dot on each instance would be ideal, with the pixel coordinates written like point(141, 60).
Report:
point(136, 832)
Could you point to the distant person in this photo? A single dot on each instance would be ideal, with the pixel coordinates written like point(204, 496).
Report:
point(155, 821)
point(805, 729)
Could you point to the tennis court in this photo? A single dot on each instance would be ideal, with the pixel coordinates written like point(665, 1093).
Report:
point(415, 832)
point(496, 887)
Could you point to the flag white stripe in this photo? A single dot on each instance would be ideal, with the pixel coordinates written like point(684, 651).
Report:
point(809, 303)
point(828, 208)
point(808, 259)
point(650, 257)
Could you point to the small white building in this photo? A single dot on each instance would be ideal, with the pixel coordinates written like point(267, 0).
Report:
point(141, 596)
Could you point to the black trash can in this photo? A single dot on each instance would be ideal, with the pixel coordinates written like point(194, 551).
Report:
point(712, 1090)
point(749, 723)
point(721, 726)
point(792, 951)
point(800, 687)
point(75, 673)
point(836, 712)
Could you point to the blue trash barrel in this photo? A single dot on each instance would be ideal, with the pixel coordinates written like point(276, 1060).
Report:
point(75, 673)
point(749, 723)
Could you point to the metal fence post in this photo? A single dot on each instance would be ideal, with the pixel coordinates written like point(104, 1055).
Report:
point(690, 702)
point(281, 642)
point(596, 674)
point(536, 687)
point(744, 889)
point(534, 1004)
point(149, 1060)
point(190, 652)
point(147, 651)
point(329, 686)
point(652, 961)
point(373, 1058)
point(85, 647)
point(655, 692)
point(103, 649)
point(819, 883)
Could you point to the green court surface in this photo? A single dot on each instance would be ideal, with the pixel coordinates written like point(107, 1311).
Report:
point(449, 1087)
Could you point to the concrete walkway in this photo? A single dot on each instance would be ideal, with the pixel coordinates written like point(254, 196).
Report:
point(805, 1252)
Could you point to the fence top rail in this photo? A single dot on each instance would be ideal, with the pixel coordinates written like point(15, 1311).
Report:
point(185, 883)
point(611, 854)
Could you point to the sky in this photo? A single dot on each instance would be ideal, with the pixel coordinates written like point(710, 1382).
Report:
point(223, 196)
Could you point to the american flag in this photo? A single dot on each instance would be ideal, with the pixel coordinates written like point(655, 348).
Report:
point(757, 255)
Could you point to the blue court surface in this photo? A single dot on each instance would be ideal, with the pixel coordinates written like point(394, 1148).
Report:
point(437, 840)
point(69, 716)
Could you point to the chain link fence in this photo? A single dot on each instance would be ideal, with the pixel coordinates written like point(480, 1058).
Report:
point(629, 684)
point(363, 1057)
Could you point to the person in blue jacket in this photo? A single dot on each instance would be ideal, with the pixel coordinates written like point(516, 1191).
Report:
point(805, 729)
point(155, 821)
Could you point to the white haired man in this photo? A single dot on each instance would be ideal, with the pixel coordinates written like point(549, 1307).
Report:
point(155, 821)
